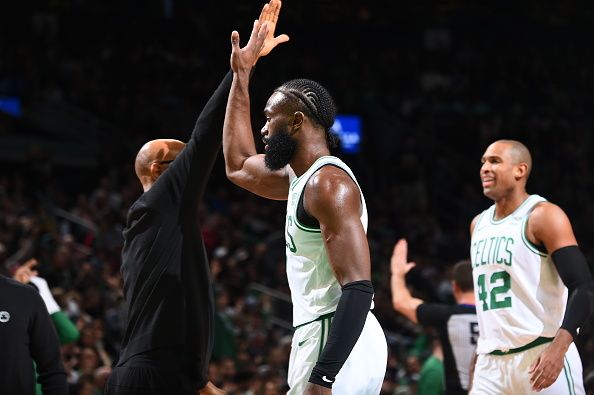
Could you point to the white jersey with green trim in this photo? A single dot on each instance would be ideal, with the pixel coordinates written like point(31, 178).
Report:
point(519, 294)
point(314, 288)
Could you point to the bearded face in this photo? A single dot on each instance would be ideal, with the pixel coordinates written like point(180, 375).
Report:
point(280, 149)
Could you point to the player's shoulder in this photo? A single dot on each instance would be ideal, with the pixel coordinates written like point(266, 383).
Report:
point(329, 189)
point(545, 208)
point(331, 179)
point(17, 289)
point(546, 213)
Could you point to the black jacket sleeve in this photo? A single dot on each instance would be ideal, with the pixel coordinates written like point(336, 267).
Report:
point(45, 350)
point(185, 180)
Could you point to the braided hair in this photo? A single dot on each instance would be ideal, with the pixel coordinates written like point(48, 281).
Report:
point(315, 102)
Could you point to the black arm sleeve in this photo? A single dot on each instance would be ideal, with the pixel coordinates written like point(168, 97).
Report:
point(45, 350)
point(346, 328)
point(573, 270)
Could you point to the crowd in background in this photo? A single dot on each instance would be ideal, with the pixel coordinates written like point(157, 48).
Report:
point(433, 94)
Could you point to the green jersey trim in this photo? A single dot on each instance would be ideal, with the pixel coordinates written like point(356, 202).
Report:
point(305, 228)
point(568, 376)
point(322, 338)
point(500, 221)
point(320, 318)
point(531, 246)
point(537, 342)
point(296, 179)
point(478, 221)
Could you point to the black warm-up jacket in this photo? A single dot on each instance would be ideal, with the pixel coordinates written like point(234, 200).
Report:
point(167, 281)
point(27, 334)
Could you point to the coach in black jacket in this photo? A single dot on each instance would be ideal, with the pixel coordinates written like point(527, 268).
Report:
point(27, 334)
point(167, 282)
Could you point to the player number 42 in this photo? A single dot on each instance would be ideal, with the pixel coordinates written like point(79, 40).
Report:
point(500, 283)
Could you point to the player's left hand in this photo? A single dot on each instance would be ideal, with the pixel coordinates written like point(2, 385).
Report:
point(314, 389)
point(547, 367)
point(211, 389)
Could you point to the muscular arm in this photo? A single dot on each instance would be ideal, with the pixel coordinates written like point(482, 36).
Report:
point(333, 198)
point(243, 165)
point(548, 225)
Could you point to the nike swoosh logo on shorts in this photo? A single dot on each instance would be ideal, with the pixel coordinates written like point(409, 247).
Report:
point(303, 341)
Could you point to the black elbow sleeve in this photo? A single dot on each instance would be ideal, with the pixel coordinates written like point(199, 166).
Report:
point(573, 270)
point(347, 325)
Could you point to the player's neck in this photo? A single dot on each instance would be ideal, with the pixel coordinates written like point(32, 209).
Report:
point(306, 157)
point(507, 205)
point(466, 298)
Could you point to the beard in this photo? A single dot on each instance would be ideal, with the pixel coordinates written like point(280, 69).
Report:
point(281, 148)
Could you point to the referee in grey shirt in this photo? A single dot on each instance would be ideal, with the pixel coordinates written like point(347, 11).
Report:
point(457, 324)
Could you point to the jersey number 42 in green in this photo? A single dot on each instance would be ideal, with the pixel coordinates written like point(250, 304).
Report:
point(503, 282)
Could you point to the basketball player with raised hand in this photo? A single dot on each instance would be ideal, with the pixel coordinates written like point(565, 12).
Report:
point(168, 340)
point(338, 345)
point(456, 325)
point(533, 286)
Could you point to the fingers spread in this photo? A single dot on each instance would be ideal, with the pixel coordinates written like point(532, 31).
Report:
point(264, 12)
point(283, 38)
point(255, 29)
point(277, 7)
point(263, 31)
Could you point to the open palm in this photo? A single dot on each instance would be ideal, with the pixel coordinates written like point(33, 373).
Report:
point(269, 15)
point(399, 264)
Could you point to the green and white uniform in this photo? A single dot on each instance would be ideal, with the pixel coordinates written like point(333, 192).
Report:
point(520, 305)
point(315, 293)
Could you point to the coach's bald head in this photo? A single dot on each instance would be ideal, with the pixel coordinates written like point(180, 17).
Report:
point(154, 158)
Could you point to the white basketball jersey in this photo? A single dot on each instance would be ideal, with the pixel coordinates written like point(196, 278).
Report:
point(519, 294)
point(314, 288)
